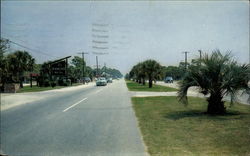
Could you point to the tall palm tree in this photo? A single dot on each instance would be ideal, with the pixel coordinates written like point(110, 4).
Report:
point(216, 75)
point(152, 69)
point(4, 45)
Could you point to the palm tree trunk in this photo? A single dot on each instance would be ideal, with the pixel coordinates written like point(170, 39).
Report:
point(215, 104)
point(143, 81)
point(21, 79)
point(150, 84)
point(139, 80)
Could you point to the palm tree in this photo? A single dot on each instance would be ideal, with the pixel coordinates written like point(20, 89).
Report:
point(152, 69)
point(4, 45)
point(216, 75)
point(19, 62)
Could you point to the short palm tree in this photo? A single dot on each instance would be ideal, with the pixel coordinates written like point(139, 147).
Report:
point(216, 75)
point(152, 69)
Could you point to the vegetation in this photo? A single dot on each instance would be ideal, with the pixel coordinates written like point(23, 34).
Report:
point(4, 45)
point(18, 63)
point(133, 86)
point(217, 75)
point(177, 72)
point(14, 65)
point(168, 128)
point(149, 69)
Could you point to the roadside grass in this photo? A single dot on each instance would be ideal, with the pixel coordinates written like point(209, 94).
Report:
point(133, 86)
point(170, 128)
point(39, 89)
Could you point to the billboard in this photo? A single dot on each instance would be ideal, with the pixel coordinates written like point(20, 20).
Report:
point(59, 68)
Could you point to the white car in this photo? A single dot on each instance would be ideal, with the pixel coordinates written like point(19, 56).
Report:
point(101, 81)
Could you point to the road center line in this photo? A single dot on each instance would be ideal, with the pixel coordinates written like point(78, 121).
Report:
point(74, 105)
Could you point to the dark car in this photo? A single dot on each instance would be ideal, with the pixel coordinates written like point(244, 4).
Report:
point(87, 79)
point(168, 79)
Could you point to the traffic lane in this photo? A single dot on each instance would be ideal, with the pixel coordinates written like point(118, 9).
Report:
point(92, 130)
point(19, 122)
point(42, 107)
point(13, 100)
point(110, 125)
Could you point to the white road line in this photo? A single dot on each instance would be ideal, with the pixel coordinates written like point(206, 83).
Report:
point(98, 91)
point(74, 105)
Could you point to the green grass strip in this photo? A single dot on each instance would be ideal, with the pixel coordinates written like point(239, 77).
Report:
point(169, 128)
point(133, 86)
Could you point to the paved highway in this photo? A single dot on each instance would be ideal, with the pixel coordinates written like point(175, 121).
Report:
point(88, 121)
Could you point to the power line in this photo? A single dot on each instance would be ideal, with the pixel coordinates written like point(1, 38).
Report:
point(23, 46)
point(200, 53)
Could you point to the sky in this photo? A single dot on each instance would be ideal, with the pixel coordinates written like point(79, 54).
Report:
point(123, 33)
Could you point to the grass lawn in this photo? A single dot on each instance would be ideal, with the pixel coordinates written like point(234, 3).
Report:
point(133, 86)
point(170, 128)
point(38, 89)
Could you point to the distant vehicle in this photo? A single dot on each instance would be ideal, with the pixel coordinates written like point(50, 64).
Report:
point(168, 79)
point(109, 80)
point(101, 81)
point(86, 79)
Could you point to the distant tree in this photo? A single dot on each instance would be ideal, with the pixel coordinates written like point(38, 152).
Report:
point(78, 63)
point(127, 76)
point(37, 68)
point(152, 70)
point(136, 73)
point(216, 75)
point(114, 73)
point(89, 72)
point(173, 71)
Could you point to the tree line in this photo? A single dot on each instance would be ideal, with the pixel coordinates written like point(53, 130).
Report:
point(15, 68)
point(152, 70)
point(216, 75)
point(14, 65)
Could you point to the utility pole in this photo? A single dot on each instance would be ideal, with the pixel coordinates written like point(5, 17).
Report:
point(200, 56)
point(97, 66)
point(105, 69)
point(200, 53)
point(185, 59)
point(83, 67)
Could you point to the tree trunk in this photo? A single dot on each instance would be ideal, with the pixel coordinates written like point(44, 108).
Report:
point(21, 80)
point(150, 84)
point(140, 81)
point(215, 104)
point(143, 81)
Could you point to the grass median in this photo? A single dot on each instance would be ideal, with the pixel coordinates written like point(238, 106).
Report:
point(169, 128)
point(39, 89)
point(133, 86)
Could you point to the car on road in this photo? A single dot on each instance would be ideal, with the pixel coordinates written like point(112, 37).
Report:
point(86, 79)
point(101, 81)
point(110, 80)
point(168, 79)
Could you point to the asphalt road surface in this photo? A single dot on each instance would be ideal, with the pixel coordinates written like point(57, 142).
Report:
point(90, 121)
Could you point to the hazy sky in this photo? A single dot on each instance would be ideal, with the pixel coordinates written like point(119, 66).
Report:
point(129, 31)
